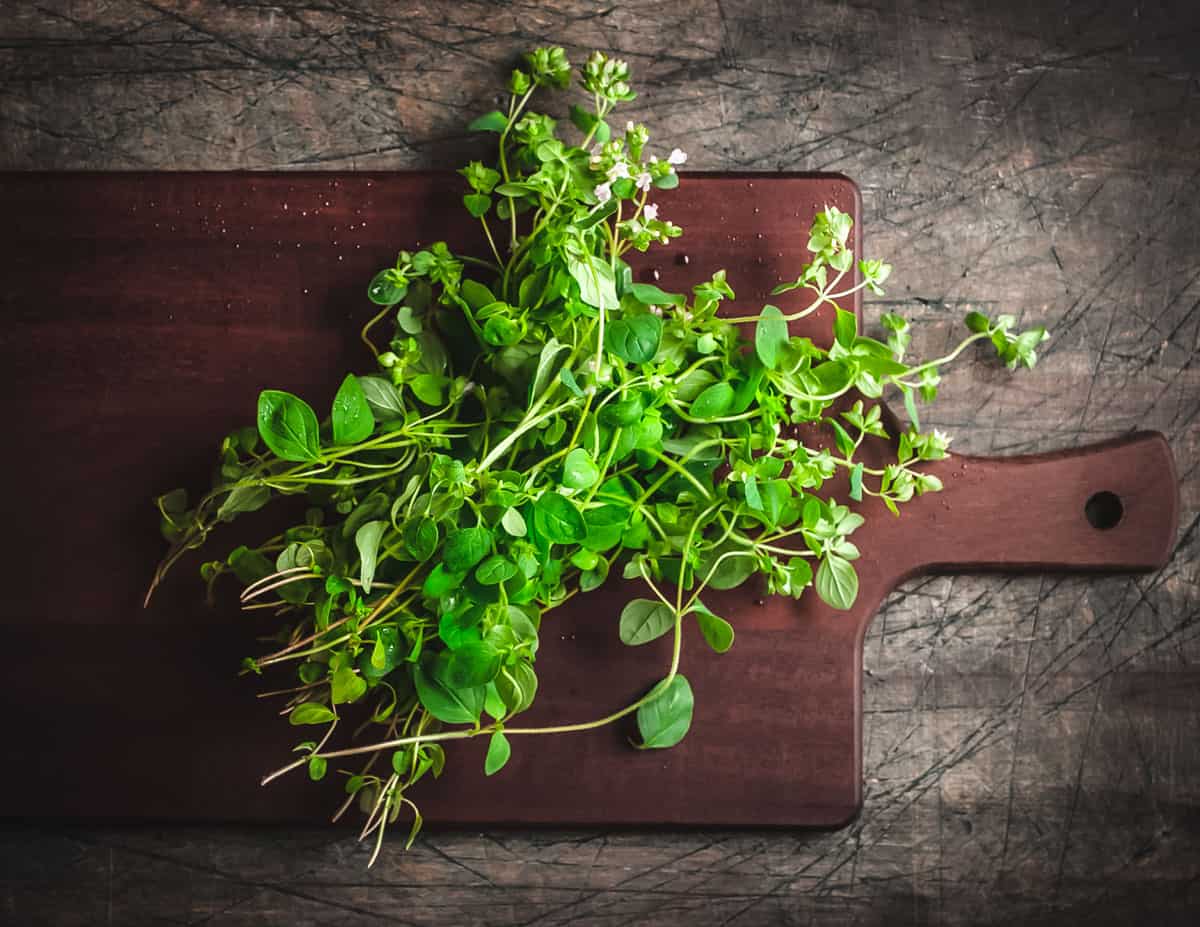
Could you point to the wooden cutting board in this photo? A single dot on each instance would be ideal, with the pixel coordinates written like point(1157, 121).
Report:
point(142, 315)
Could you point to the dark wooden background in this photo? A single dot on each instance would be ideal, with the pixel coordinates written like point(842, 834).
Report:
point(1032, 744)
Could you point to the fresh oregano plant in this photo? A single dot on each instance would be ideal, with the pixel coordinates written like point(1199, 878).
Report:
point(536, 421)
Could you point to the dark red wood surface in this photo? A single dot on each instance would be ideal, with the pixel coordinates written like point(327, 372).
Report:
point(142, 315)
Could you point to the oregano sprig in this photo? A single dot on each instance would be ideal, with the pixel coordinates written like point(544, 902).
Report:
point(535, 423)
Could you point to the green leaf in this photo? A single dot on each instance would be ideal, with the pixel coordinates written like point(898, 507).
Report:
point(383, 398)
point(495, 121)
point(421, 538)
point(378, 655)
point(547, 367)
point(557, 519)
point(664, 722)
point(311, 713)
point(368, 509)
point(977, 322)
point(605, 525)
point(770, 336)
point(387, 287)
point(832, 377)
point(317, 767)
point(498, 752)
point(598, 214)
point(837, 583)
point(732, 571)
point(517, 686)
point(693, 383)
point(244, 498)
point(441, 581)
point(579, 470)
point(584, 121)
point(569, 381)
point(352, 418)
point(799, 575)
point(856, 478)
point(716, 630)
point(596, 285)
point(452, 706)
point(347, 686)
point(747, 388)
point(513, 522)
point(594, 578)
point(477, 204)
point(713, 402)
point(624, 413)
point(249, 565)
point(845, 328)
point(384, 655)
point(460, 626)
point(366, 539)
point(495, 570)
point(466, 547)
point(910, 406)
point(473, 664)
point(428, 387)
point(522, 626)
point(288, 426)
point(753, 498)
point(476, 294)
point(644, 620)
point(667, 181)
point(845, 444)
point(494, 704)
point(584, 559)
point(649, 295)
point(175, 502)
point(635, 339)
point(501, 332)
point(775, 495)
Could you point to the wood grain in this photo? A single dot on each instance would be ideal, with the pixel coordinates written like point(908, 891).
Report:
point(1030, 743)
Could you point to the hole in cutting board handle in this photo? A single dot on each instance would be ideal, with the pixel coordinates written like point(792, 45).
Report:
point(1104, 510)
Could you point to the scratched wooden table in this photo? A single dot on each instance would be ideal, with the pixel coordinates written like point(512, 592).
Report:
point(1031, 745)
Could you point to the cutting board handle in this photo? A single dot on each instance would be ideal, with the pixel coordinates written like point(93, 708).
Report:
point(1112, 506)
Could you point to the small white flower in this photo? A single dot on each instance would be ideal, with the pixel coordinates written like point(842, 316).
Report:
point(595, 160)
point(677, 156)
point(653, 159)
point(650, 211)
point(643, 180)
point(656, 310)
point(603, 192)
point(619, 171)
point(941, 437)
point(469, 388)
point(629, 126)
point(685, 315)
